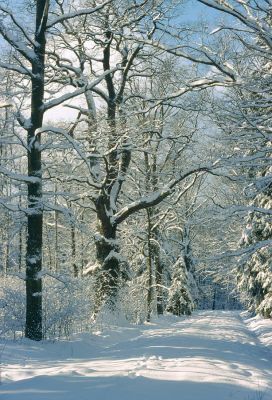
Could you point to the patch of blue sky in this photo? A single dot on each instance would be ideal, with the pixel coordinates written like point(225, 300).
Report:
point(193, 10)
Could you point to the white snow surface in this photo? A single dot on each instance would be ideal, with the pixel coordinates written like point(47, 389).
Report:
point(261, 327)
point(213, 355)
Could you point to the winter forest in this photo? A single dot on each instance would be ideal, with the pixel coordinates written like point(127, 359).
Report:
point(135, 165)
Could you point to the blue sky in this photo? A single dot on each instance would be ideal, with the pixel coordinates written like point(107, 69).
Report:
point(192, 11)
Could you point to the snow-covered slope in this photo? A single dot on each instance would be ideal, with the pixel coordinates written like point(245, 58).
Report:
point(261, 327)
point(210, 356)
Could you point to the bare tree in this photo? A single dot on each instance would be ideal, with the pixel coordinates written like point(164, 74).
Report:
point(29, 61)
point(122, 38)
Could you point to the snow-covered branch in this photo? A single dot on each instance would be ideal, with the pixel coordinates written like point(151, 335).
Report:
point(258, 25)
point(78, 13)
point(18, 45)
point(156, 197)
point(18, 177)
point(59, 100)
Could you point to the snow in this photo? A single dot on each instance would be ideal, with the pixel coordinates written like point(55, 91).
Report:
point(219, 28)
point(5, 104)
point(33, 259)
point(84, 11)
point(18, 177)
point(261, 327)
point(211, 355)
point(9, 36)
point(70, 95)
point(90, 269)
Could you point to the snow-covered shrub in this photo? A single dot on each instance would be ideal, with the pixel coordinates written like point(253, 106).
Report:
point(133, 300)
point(67, 306)
point(12, 306)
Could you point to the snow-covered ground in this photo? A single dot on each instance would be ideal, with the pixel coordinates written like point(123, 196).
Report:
point(261, 327)
point(210, 356)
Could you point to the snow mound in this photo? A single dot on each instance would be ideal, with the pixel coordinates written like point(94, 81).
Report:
point(261, 327)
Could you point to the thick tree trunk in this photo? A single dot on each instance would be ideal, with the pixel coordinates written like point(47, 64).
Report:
point(110, 273)
point(33, 328)
point(107, 255)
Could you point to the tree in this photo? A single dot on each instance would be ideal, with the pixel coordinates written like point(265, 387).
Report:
point(254, 276)
point(180, 301)
point(125, 44)
point(29, 61)
point(127, 150)
point(34, 54)
point(247, 111)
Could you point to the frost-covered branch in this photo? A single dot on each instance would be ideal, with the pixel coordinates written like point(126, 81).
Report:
point(78, 13)
point(16, 68)
point(18, 45)
point(156, 197)
point(59, 100)
point(18, 177)
point(234, 9)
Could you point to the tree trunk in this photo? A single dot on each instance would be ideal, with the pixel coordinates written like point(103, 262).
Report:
point(21, 235)
point(33, 327)
point(159, 273)
point(214, 298)
point(107, 255)
point(56, 233)
point(156, 257)
point(8, 239)
point(149, 267)
point(73, 244)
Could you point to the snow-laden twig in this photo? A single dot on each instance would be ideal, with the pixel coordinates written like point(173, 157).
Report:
point(247, 251)
point(19, 177)
point(78, 13)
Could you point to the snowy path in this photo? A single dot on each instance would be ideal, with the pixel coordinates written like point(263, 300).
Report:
point(210, 356)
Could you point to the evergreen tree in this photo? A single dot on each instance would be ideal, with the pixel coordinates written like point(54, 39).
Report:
point(180, 299)
point(183, 294)
point(255, 276)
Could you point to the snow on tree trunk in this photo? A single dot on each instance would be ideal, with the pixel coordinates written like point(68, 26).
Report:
point(33, 328)
point(107, 275)
point(107, 255)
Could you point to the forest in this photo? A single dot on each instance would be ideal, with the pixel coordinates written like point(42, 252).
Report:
point(135, 161)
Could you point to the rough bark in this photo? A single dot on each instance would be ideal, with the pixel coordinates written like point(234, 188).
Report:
point(33, 327)
point(107, 249)
point(107, 252)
